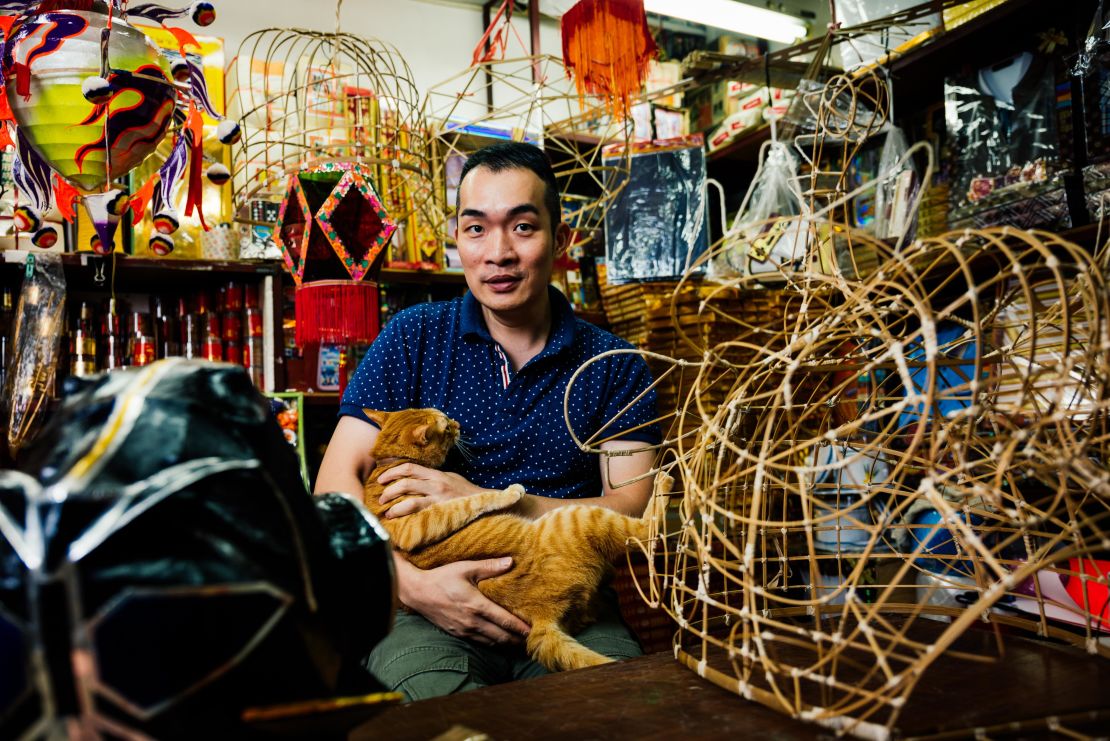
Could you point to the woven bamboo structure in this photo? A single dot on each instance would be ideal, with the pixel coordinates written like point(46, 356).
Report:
point(917, 432)
point(531, 98)
point(305, 98)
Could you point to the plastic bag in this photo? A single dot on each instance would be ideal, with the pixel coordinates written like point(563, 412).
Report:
point(39, 327)
point(896, 191)
point(834, 110)
point(767, 232)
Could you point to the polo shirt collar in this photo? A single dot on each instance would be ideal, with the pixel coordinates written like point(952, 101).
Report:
point(473, 324)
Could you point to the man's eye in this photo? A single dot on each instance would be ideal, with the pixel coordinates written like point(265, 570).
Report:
point(473, 229)
point(525, 227)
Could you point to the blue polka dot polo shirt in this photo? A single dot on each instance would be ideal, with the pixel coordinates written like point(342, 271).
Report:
point(441, 355)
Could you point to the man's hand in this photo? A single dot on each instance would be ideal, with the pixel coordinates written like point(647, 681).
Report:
point(429, 485)
point(448, 597)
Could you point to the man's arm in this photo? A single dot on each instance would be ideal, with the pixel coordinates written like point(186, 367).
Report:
point(432, 486)
point(446, 596)
point(347, 462)
point(631, 499)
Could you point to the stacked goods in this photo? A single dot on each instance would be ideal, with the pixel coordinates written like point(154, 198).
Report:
point(710, 318)
point(932, 218)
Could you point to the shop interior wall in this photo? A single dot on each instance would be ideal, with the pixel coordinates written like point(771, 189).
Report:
point(435, 37)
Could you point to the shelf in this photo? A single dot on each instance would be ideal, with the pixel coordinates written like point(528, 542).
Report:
point(129, 262)
point(91, 272)
point(134, 273)
point(321, 398)
point(744, 148)
point(919, 72)
point(998, 33)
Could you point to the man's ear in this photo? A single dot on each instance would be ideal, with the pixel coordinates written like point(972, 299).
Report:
point(376, 417)
point(562, 238)
point(420, 434)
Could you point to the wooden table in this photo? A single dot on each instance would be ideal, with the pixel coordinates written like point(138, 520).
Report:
point(655, 697)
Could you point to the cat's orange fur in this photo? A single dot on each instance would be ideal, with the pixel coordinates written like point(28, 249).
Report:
point(559, 559)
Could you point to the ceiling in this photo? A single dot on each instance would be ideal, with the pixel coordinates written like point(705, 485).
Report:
point(816, 12)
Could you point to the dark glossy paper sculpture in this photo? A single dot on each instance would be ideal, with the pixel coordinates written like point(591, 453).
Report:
point(164, 571)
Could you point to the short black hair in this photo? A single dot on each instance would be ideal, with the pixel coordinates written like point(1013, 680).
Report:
point(517, 156)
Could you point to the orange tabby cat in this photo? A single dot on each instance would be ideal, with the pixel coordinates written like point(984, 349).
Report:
point(559, 559)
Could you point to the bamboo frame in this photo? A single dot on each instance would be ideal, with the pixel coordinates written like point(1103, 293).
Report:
point(922, 431)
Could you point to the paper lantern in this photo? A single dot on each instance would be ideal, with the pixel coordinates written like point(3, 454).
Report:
point(88, 97)
point(331, 223)
point(51, 55)
point(607, 45)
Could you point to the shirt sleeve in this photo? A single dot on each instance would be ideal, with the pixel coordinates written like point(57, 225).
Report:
point(383, 380)
point(630, 377)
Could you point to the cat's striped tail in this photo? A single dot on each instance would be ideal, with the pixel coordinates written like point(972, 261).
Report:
point(551, 646)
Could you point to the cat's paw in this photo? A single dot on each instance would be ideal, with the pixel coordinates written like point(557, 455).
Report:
point(515, 492)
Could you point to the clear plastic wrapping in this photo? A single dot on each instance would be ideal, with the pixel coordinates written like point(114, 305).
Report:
point(39, 326)
point(898, 186)
point(766, 232)
point(867, 48)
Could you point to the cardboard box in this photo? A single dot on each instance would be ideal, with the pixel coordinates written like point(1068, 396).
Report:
point(749, 113)
point(737, 46)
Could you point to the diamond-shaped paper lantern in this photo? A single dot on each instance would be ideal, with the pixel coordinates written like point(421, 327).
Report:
point(349, 217)
point(332, 223)
point(294, 219)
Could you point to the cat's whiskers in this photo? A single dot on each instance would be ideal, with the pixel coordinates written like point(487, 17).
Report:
point(464, 450)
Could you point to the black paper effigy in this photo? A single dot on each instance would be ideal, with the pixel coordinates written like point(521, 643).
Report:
point(656, 227)
point(163, 568)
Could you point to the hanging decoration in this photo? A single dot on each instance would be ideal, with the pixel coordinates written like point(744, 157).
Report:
point(607, 46)
point(495, 41)
point(90, 97)
point(331, 223)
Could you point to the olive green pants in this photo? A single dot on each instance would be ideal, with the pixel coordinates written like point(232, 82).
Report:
point(422, 661)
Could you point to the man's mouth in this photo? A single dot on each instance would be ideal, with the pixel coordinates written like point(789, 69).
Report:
point(503, 283)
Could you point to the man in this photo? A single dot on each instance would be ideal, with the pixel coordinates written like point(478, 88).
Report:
point(498, 361)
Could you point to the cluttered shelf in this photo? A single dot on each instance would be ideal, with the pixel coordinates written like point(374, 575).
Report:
point(92, 272)
point(142, 269)
point(964, 35)
point(743, 148)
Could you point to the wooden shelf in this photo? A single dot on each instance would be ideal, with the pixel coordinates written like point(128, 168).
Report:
point(91, 272)
point(918, 73)
point(321, 398)
point(133, 273)
point(744, 148)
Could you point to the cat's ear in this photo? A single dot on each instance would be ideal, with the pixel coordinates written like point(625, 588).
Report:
point(420, 434)
point(376, 417)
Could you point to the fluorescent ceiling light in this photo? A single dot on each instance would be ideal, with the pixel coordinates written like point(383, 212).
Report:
point(733, 16)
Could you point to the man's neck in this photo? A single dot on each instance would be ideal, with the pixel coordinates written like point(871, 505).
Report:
point(522, 334)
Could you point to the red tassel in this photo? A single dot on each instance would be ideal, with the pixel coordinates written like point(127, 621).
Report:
point(23, 80)
point(195, 125)
point(141, 199)
point(53, 6)
point(337, 312)
point(608, 46)
point(65, 195)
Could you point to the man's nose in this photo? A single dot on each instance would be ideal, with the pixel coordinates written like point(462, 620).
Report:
point(501, 251)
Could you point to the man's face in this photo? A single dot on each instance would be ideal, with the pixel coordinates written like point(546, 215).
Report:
point(505, 238)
